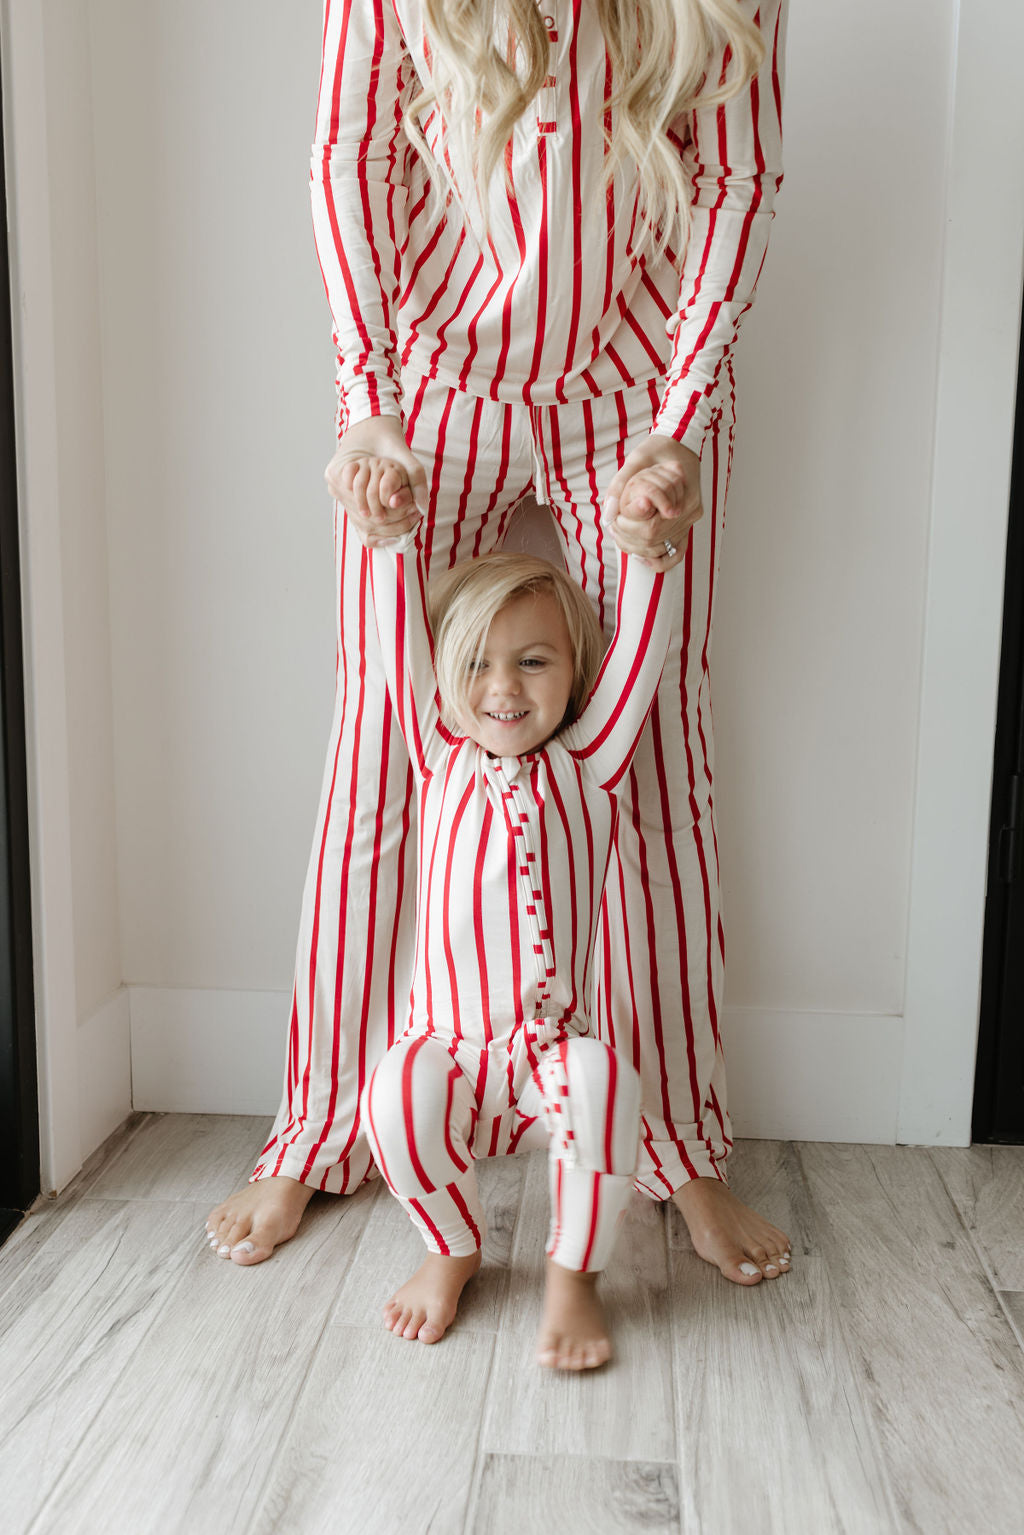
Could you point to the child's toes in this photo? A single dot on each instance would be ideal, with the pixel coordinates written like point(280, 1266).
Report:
point(597, 1354)
point(417, 1317)
point(397, 1318)
point(549, 1347)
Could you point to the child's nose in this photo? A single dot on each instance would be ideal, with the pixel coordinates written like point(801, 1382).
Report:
point(506, 679)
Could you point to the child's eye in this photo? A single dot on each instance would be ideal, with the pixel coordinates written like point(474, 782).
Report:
point(532, 661)
point(476, 667)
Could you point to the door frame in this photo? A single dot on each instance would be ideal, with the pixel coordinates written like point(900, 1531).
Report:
point(19, 1102)
point(974, 426)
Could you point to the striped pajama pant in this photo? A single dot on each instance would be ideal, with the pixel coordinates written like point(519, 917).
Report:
point(660, 952)
point(434, 1105)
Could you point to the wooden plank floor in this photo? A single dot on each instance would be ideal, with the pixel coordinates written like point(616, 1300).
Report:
point(146, 1386)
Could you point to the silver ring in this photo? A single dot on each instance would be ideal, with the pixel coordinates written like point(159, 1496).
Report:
point(670, 549)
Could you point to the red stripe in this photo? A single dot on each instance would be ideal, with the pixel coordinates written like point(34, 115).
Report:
point(435, 485)
point(463, 1209)
point(609, 1118)
point(567, 506)
point(454, 1075)
point(595, 499)
point(506, 313)
point(442, 1245)
point(467, 481)
point(409, 1114)
point(595, 1205)
point(478, 922)
point(570, 881)
point(542, 271)
point(576, 140)
point(556, 1235)
point(378, 1150)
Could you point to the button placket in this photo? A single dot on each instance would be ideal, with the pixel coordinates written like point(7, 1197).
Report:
point(530, 884)
point(547, 108)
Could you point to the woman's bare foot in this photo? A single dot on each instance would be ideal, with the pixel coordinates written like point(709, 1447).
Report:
point(573, 1330)
point(425, 1306)
point(727, 1233)
point(247, 1227)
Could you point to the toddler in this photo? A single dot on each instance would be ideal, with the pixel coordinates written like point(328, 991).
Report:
point(519, 755)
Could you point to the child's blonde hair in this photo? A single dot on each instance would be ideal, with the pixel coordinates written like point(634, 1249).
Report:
point(489, 58)
point(464, 603)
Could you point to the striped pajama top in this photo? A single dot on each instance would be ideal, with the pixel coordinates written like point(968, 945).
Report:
point(513, 850)
point(554, 304)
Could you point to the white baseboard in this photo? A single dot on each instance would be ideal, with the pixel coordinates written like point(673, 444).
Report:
point(104, 1072)
point(792, 1076)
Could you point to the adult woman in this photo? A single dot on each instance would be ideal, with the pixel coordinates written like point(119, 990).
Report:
point(499, 196)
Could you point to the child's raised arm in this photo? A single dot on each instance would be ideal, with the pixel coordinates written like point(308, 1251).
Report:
point(606, 734)
point(398, 591)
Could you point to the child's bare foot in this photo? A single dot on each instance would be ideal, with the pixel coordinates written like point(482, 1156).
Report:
point(727, 1233)
point(247, 1227)
point(573, 1331)
point(425, 1306)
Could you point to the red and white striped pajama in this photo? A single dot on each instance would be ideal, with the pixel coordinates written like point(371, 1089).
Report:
point(512, 858)
point(533, 361)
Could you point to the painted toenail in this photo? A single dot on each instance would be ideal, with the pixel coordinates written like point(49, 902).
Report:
point(771, 1268)
point(243, 1247)
point(749, 1268)
point(222, 1252)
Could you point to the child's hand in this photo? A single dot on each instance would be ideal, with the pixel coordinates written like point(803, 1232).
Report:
point(654, 500)
point(377, 480)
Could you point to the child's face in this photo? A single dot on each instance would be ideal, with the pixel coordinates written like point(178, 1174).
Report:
point(520, 691)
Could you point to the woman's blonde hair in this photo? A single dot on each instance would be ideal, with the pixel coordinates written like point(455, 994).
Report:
point(489, 58)
point(464, 603)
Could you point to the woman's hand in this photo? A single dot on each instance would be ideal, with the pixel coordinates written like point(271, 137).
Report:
point(654, 500)
point(381, 485)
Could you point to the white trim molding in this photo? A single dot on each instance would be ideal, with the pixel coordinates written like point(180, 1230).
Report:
point(46, 725)
point(974, 422)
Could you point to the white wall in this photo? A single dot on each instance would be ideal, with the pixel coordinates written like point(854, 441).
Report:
point(216, 418)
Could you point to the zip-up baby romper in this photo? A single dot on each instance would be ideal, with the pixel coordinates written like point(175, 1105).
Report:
point(531, 362)
point(499, 1053)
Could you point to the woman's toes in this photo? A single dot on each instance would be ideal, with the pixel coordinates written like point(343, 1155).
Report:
point(750, 1272)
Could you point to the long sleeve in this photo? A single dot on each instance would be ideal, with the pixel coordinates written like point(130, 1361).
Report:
point(733, 161)
point(606, 734)
point(359, 196)
point(398, 591)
